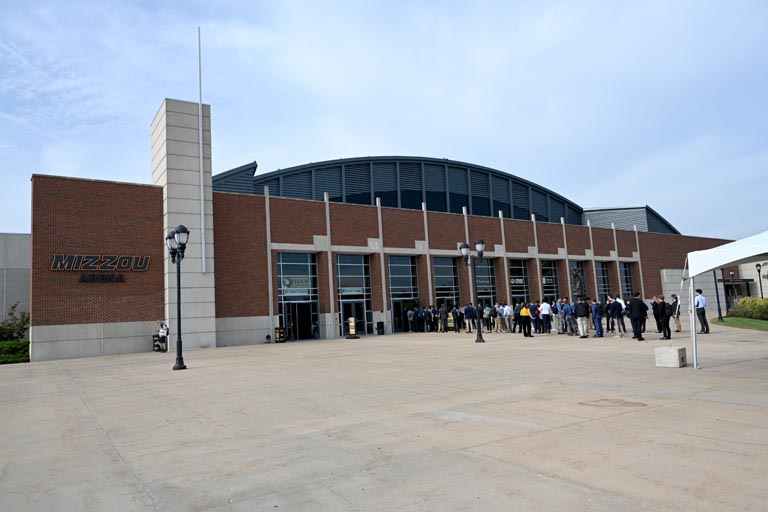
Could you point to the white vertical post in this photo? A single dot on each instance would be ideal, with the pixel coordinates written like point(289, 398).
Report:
point(594, 263)
point(331, 300)
point(639, 262)
point(504, 257)
point(567, 260)
point(538, 260)
point(200, 130)
point(692, 308)
point(469, 267)
point(384, 284)
point(428, 253)
point(618, 263)
point(270, 289)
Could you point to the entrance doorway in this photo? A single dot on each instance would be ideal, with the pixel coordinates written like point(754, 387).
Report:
point(352, 309)
point(297, 317)
point(400, 309)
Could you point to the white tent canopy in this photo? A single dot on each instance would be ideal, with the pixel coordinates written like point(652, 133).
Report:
point(753, 248)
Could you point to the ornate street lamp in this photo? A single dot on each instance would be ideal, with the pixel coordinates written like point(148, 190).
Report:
point(759, 267)
point(465, 253)
point(177, 244)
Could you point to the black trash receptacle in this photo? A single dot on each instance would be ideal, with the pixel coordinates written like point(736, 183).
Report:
point(379, 327)
point(155, 343)
point(279, 334)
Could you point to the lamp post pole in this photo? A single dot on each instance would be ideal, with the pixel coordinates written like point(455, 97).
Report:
point(759, 267)
point(733, 287)
point(717, 295)
point(464, 251)
point(177, 244)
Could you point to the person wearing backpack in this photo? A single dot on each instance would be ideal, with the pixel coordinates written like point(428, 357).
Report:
point(516, 317)
point(617, 314)
point(582, 316)
point(534, 309)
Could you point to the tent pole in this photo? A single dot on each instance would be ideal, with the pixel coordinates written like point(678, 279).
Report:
point(692, 307)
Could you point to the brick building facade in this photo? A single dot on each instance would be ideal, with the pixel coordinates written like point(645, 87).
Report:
point(293, 263)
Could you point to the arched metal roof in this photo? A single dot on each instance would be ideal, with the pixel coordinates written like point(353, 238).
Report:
point(405, 182)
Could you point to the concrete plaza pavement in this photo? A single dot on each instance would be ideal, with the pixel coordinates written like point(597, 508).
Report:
point(413, 422)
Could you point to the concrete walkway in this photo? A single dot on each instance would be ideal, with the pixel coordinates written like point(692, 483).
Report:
point(404, 423)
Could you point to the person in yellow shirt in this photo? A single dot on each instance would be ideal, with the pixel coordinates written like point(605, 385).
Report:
point(525, 319)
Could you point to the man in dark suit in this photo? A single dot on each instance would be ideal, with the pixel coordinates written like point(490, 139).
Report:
point(638, 311)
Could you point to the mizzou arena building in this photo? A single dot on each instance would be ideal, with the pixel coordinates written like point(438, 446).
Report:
point(311, 249)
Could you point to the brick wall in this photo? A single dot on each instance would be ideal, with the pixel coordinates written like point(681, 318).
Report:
point(294, 221)
point(486, 228)
point(518, 234)
point(76, 216)
point(353, 224)
point(402, 227)
point(603, 241)
point(626, 242)
point(658, 251)
point(550, 237)
point(239, 223)
point(445, 231)
point(79, 217)
point(578, 239)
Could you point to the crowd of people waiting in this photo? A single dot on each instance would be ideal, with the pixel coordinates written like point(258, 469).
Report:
point(556, 317)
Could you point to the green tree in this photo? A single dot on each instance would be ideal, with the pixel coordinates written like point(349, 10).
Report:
point(15, 326)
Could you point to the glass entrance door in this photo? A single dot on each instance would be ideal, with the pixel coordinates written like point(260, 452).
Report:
point(352, 309)
point(400, 309)
point(298, 321)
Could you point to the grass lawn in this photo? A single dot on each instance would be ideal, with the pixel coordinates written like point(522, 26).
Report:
point(744, 323)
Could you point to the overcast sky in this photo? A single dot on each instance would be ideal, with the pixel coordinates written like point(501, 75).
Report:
point(607, 103)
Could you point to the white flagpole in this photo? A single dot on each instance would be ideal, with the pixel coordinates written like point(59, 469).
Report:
point(200, 117)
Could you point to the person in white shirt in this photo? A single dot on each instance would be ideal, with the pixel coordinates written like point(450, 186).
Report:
point(701, 312)
point(545, 313)
point(508, 316)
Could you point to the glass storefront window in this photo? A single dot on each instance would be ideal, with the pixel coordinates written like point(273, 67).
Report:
point(603, 280)
point(354, 288)
point(403, 290)
point(297, 295)
point(485, 281)
point(518, 280)
point(446, 281)
point(550, 285)
point(627, 288)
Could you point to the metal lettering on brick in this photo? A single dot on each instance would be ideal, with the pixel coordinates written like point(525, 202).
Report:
point(100, 268)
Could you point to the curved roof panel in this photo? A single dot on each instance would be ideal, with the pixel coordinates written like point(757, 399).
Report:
point(407, 182)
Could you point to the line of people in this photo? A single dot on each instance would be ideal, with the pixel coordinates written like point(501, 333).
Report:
point(560, 316)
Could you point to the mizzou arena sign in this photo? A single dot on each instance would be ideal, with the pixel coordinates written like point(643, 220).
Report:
point(100, 268)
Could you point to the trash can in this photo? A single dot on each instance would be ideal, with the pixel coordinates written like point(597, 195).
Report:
point(155, 343)
point(279, 334)
point(380, 328)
